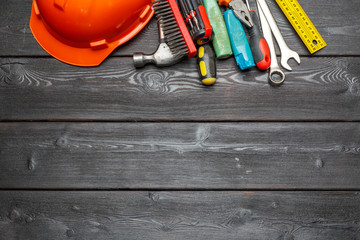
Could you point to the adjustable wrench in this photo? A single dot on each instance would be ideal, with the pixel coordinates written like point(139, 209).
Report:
point(274, 66)
point(286, 52)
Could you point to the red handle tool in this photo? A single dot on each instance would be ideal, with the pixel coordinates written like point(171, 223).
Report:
point(195, 16)
point(258, 44)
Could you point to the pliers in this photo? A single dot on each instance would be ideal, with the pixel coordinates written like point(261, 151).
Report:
point(240, 9)
point(257, 42)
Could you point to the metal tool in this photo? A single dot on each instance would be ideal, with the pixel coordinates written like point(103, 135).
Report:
point(175, 40)
point(286, 52)
point(240, 9)
point(258, 45)
point(236, 14)
point(274, 66)
point(162, 57)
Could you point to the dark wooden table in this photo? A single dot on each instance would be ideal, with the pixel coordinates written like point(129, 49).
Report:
point(111, 152)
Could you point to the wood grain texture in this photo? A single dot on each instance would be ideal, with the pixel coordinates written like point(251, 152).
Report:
point(341, 33)
point(180, 155)
point(160, 130)
point(179, 215)
point(46, 89)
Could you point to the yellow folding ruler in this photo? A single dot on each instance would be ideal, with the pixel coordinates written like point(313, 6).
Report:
point(302, 25)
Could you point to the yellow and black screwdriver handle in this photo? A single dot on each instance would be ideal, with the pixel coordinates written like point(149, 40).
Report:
point(206, 64)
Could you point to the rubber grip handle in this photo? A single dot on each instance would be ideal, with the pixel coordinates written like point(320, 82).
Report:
point(206, 64)
point(238, 40)
point(220, 39)
point(258, 44)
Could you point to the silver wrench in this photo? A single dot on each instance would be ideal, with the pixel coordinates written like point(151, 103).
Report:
point(274, 67)
point(286, 52)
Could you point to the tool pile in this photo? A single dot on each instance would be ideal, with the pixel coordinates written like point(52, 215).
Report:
point(186, 27)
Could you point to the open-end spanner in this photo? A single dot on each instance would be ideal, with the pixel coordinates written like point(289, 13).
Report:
point(274, 66)
point(286, 52)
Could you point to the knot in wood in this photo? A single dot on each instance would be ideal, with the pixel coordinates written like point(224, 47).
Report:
point(61, 141)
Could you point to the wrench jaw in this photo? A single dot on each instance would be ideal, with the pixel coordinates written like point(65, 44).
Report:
point(286, 56)
point(286, 52)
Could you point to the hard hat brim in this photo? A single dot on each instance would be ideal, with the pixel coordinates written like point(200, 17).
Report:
point(80, 56)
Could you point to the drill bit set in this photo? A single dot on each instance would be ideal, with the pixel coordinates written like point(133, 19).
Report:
point(175, 41)
point(187, 26)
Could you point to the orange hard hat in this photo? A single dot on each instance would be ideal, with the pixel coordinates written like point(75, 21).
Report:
point(85, 32)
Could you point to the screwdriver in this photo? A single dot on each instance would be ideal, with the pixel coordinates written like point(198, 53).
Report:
point(195, 16)
point(200, 29)
point(206, 64)
point(259, 47)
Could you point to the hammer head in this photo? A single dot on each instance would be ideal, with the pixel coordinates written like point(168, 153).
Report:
point(162, 57)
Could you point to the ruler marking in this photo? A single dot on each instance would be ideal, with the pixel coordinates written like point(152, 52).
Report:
point(302, 24)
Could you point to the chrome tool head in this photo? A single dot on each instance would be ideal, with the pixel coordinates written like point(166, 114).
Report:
point(286, 55)
point(241, 11)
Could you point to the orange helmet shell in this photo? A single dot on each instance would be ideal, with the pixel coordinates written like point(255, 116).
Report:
point(85, 32)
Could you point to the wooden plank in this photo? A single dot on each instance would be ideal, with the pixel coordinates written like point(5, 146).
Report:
point(320, 89)
point(341, 33)
point(180, 155)
point(179, 215)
